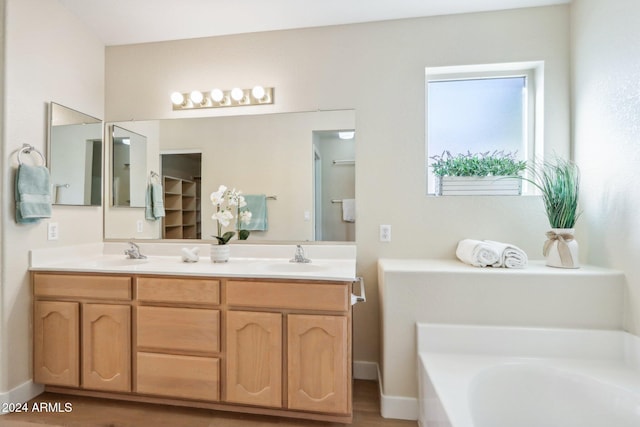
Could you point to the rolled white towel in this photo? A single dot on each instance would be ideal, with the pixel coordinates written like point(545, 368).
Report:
point(511, 256)
point(477, 253)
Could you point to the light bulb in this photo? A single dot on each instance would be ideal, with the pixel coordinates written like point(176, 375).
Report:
point(196, 97)
point(217, 95)
point(258, 92)
point(237, 94)
point(346, 135)
point(177, 98)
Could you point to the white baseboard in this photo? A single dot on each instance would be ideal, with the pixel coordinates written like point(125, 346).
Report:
point(365, 370)
point(397, 407)
point(20, 394)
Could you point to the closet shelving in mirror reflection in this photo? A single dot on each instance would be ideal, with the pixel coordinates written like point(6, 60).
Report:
point(217, 98)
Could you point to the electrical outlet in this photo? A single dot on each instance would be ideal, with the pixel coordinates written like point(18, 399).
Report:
point(52, 231)
point(139, 226)
point(385, 233)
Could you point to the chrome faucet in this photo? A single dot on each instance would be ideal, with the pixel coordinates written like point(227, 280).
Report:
point(133, 252)
point(299, 256)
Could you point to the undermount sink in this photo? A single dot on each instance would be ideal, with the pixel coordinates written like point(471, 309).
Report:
point(295, 267)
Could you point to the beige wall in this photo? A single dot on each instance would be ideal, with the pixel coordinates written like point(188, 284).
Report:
point(606, 95)
point(49, 56)
point(378, 69)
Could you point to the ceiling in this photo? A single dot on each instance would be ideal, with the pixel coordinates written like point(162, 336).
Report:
point(118, 22)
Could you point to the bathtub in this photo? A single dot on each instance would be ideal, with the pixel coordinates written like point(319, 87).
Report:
point(481, 376)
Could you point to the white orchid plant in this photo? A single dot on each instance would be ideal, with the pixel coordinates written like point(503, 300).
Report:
point(227, 204)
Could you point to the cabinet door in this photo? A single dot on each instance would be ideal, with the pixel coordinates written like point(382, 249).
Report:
point(56, 340)
point(106, 347)
point(318, 361)
point(254, 358)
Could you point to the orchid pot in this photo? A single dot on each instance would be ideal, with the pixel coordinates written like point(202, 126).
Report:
point(220, 253)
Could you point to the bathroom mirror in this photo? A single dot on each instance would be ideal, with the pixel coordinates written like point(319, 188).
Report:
point(288, 157)
point(129, 168)
point(75, 157)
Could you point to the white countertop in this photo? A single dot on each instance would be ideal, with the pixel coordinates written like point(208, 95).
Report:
point(328, 262)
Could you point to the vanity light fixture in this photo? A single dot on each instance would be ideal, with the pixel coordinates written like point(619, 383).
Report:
point(215, 98)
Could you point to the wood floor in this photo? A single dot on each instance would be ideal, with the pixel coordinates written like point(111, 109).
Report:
point(91, 412)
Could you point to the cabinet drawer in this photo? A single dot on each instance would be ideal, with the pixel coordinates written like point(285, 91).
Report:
point(187, 377)
point(293, 295)
point(79, 286)
point(178, 329)
point(174, 290)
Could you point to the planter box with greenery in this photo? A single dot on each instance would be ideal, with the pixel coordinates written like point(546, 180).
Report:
point(496, 173)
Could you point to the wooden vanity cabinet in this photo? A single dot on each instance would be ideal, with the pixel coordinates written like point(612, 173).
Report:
point(266, 346)
point(99, 357)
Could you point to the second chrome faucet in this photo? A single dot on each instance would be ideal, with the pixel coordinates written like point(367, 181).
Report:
point(133, 252)
point(299, 256)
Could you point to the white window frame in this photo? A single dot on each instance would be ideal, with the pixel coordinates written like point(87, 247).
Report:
point(534, 123)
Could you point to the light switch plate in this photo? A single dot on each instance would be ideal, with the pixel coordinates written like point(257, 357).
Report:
point(385, 233)
point(52, 231)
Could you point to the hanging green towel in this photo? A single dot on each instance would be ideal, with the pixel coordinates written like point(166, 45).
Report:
point(154, 203)
point(257, 205)
point(32, 194)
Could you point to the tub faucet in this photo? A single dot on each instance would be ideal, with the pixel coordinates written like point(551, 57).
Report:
point(133, 252)
point(299, 256)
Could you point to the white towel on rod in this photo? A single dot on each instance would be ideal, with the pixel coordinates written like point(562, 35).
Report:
point(349, 210)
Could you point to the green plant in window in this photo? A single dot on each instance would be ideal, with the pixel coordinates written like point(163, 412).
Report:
point(496, 163)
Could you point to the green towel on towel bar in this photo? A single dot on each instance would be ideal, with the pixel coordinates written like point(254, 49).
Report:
point(257, 205)
point(32, 194)
point(154, 204)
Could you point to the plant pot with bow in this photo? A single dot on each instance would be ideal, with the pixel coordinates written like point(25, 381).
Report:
point(559, 183)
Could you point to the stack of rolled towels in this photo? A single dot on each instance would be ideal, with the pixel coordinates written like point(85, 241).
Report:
point(487, 253)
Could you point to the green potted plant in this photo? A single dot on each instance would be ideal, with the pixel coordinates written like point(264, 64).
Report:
point(227, 203)
point(559, 183)
point(489, 173)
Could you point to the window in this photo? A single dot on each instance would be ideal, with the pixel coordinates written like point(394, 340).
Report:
point(479, 111)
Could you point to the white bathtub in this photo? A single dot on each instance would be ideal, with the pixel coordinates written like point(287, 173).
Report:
point(480, 376)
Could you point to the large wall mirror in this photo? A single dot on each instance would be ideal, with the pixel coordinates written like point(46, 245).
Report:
point(75, 157)
point(301, 162)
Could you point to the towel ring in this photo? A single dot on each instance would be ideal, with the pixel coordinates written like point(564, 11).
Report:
point(28, 149)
